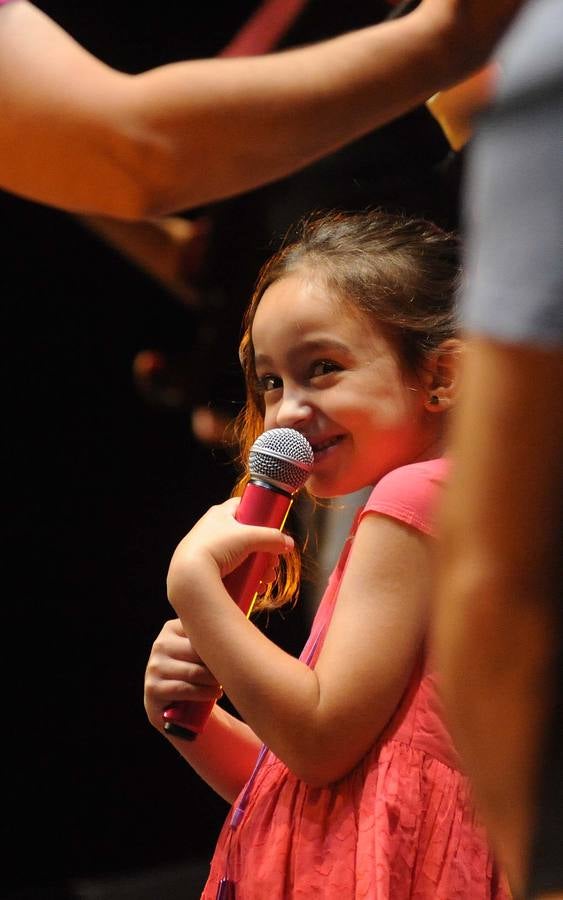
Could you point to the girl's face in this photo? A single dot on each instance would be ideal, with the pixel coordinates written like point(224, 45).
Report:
point(331, 374)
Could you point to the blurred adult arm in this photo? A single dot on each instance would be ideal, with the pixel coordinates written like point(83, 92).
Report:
point(498, 616)
point(171, 249)
point(496, 629)
point(76, 134)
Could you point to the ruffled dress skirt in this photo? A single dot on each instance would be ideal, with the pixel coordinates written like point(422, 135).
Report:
point(400, 825)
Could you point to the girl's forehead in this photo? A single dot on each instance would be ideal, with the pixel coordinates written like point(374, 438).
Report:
point(307, 300)
point(296, 311)
point(305, 295)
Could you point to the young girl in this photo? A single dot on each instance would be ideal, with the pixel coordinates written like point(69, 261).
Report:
point(357, 792)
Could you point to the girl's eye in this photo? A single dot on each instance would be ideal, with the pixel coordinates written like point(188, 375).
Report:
point(267, 383)
point(323, 367)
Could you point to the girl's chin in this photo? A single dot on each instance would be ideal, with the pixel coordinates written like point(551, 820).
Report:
point(326, 488)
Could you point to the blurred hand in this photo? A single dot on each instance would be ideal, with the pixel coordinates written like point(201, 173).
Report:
point(455, 108)
point(469, 29)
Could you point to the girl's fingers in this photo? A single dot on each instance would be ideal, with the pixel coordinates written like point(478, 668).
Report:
point(172, 642)
point(169, 685)
point(168, 692)
point(165, 668)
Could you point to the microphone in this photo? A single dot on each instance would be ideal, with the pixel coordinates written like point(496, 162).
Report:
point(279, 463)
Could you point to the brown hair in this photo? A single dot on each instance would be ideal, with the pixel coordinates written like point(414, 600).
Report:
point(401, 272)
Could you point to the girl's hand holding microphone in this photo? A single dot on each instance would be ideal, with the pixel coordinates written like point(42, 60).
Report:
point(175, 673)
point(231, 553)
point(216, 546)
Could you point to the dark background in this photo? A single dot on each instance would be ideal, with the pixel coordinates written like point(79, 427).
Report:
point(99, 484)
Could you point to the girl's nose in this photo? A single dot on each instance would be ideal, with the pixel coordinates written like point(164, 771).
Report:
point(293, 410)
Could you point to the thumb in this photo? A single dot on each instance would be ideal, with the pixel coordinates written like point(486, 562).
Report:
point(248, 539)
point(259, 538)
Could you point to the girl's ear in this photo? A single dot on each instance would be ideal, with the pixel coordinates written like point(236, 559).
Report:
point(441, 374)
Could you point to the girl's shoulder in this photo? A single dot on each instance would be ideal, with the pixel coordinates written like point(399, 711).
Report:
point(410, 494)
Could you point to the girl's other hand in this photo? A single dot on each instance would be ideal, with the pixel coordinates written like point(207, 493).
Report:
point(175, 672)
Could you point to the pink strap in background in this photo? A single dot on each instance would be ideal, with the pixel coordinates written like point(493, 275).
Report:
point(265, 28)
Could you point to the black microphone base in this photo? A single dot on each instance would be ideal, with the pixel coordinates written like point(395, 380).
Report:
point(178, 731)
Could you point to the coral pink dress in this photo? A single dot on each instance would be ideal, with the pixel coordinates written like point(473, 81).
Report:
point(401, 823)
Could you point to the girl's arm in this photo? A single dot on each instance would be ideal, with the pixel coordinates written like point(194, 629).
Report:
point(80, 135)
point(319, 722)
point(225, 753)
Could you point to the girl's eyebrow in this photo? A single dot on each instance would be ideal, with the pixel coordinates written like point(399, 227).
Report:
point(307, 346)
point(261, 360)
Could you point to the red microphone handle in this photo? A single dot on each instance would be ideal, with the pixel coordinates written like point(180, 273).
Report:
point(261, 504)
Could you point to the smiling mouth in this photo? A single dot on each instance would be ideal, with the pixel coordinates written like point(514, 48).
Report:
point(322, 446)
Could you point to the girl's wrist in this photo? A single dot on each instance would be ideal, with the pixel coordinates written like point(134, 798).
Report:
point(191, 577)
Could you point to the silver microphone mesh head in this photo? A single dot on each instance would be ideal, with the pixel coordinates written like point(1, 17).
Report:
point(281, 456)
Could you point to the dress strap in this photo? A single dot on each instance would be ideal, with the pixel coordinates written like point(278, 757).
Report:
point(226, 889)
point(239, 810)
